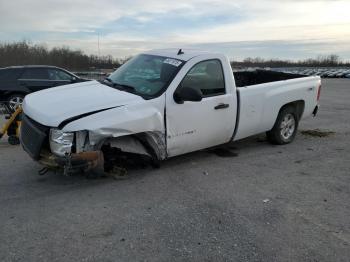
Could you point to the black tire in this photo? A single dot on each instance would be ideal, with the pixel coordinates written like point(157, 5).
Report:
point(155, 163)
point(285, 128)
point(14, 101)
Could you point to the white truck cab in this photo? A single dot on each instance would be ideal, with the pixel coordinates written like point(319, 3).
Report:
point(160, 104)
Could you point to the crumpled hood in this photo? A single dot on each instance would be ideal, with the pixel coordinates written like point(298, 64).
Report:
point(52, 106)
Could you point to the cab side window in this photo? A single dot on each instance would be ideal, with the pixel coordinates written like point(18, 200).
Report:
point(55, 74)
point(35, 73)
point(10, 74)
point(207, 76)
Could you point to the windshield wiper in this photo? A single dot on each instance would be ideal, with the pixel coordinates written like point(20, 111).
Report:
point(124, 87)
point(121, 87)
point(107, 81)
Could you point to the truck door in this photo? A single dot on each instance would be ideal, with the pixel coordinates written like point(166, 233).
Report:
point(193, 126)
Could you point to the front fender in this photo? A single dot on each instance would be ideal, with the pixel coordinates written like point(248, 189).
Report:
point(121, 121)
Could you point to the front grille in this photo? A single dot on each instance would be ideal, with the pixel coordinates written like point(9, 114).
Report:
point(32, 136)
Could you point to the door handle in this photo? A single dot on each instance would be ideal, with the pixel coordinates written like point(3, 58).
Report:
point(221, 106)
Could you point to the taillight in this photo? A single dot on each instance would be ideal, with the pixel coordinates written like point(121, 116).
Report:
point(319, 93)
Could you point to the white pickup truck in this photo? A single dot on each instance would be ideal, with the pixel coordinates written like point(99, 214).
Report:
point(161, 104)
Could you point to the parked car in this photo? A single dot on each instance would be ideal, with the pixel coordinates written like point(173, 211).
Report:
point(340, 74)
point(161, 104)
point(18, 81)
point(326, 73)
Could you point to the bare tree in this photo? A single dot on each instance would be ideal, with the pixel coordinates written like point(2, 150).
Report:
point(25, 53)
point(331, 60)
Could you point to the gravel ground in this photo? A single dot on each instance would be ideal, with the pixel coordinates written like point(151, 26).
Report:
point(262, 203)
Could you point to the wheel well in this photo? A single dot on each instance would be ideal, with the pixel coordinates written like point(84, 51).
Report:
point(8, 95)
point(146, 143)
point(297, 105)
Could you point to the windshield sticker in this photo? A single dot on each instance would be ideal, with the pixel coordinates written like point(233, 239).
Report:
point(173, 62)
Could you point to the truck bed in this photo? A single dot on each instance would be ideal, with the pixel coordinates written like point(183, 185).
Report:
point(260, 99)
point(249, 78)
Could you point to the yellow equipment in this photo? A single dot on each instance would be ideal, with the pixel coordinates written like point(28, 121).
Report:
point(12, 124)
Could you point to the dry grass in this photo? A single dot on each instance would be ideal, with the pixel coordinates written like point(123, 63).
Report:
point(317, 133)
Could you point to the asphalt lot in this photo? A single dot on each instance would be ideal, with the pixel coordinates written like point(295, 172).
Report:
point(267, 203)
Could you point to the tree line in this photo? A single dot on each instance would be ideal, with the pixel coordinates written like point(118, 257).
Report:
point(25, 53)
point(331, 60)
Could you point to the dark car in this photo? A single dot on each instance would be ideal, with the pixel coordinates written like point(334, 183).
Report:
point(18, 81)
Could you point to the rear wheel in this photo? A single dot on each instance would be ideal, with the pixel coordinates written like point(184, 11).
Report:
point(285, 128)
point(14, 101)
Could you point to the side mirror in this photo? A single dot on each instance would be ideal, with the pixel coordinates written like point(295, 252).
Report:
point(187, 94)
point(74, 80)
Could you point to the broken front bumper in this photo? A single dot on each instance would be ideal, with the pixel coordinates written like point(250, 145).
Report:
point(92, 161)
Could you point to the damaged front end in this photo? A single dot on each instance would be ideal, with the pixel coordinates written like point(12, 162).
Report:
point(74, 163)
point(71, 153)
point(76, 152)
point(58, 150)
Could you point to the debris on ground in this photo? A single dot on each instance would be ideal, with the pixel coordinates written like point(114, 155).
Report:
point(205, 173)
point(118, 172)
point(261, 139)
point(317, 133)
point(223, 152)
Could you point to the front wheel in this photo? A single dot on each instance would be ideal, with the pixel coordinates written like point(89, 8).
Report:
point(14, 101)
point(285, 128)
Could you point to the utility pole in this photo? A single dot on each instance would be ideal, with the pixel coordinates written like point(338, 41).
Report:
point(98, 43)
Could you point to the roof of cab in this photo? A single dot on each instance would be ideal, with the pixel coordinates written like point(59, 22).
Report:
point(29, 66)
point(186, 54)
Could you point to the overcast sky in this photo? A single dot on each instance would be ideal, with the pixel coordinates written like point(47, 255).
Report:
point(290, 29)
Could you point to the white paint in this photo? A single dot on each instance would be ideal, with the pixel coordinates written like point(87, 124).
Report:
point(189, 126)
point(260, 104)
point(52, 106)
point(197, 125)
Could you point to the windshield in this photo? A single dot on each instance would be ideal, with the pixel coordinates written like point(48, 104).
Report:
point(145, 75)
